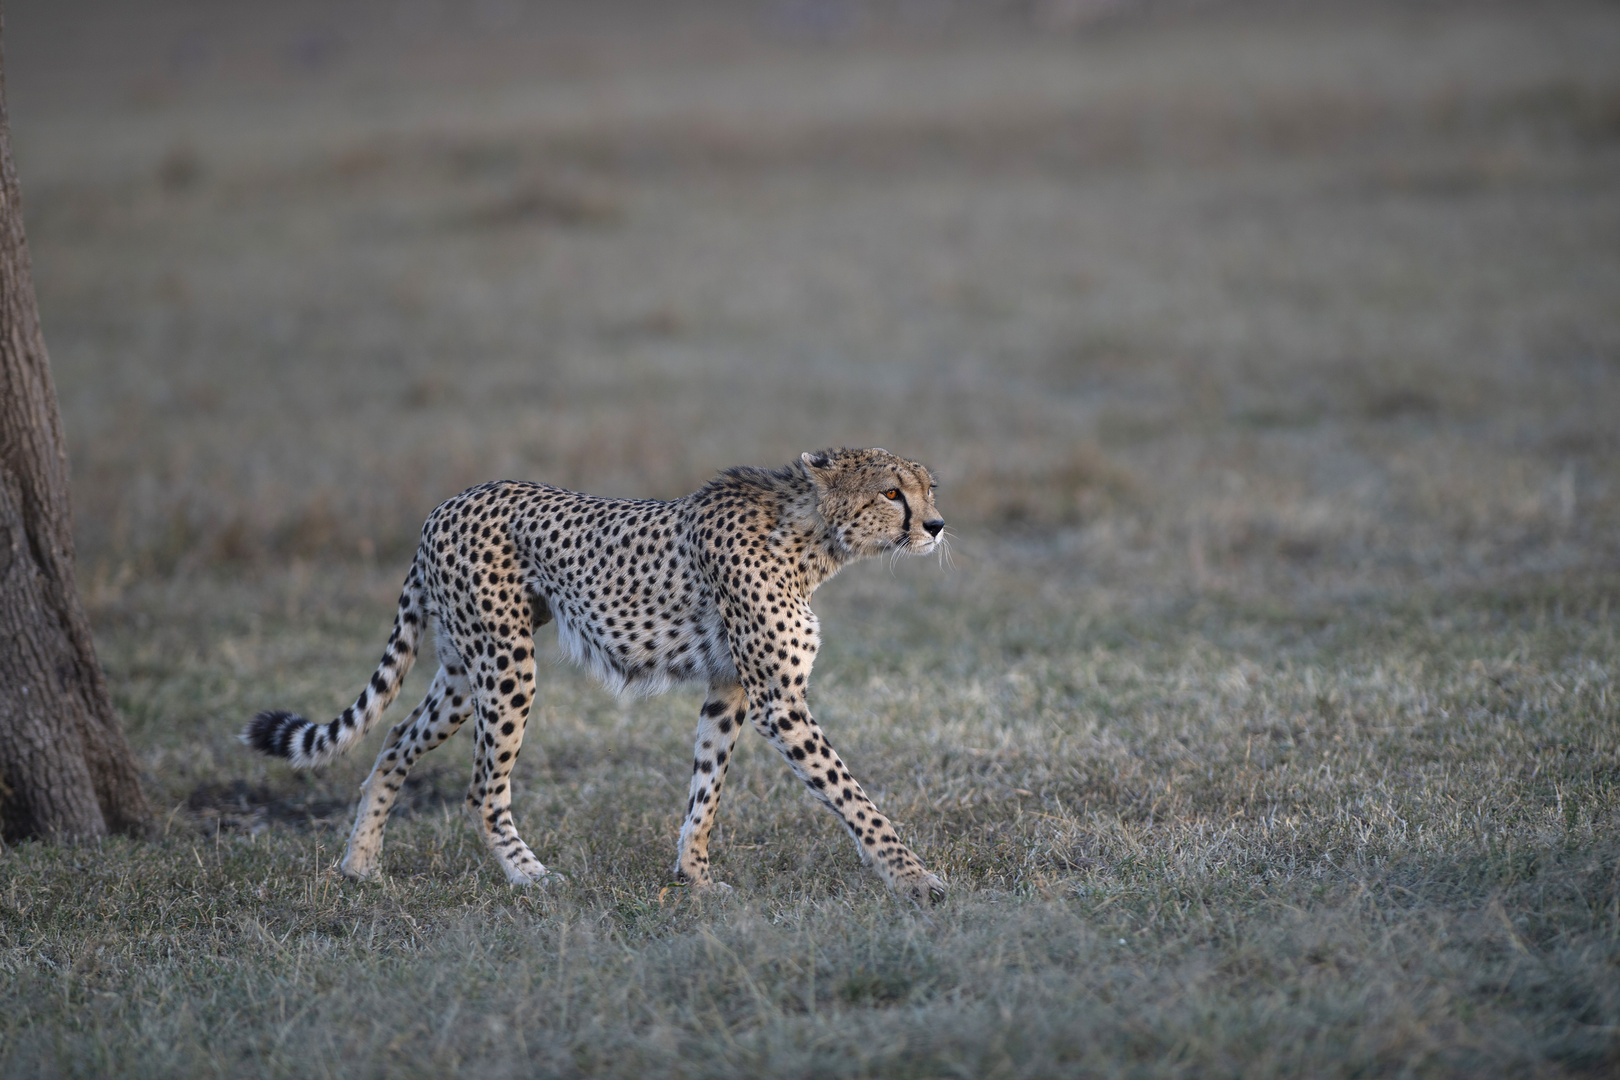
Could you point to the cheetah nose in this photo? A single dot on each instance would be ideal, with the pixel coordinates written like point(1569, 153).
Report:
point(934, 527)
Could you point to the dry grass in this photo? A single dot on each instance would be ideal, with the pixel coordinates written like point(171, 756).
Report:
point(1266, 726)
point(1210, 839)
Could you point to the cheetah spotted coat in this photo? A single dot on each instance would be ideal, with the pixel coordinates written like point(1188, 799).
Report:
point(715, 587)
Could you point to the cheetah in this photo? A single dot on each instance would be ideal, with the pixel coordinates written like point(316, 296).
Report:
point(646, 594)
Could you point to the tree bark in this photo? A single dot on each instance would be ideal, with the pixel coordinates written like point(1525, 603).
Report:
point(65, 769)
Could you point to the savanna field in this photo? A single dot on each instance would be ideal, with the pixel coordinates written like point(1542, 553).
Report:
point(1264, 722)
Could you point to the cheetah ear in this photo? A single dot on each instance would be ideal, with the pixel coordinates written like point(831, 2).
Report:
point(821, 469)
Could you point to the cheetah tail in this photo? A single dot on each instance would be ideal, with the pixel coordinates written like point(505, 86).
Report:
point(307, 744)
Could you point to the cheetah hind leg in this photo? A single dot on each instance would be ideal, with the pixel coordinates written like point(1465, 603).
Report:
point(446, 706)
point(502, 710)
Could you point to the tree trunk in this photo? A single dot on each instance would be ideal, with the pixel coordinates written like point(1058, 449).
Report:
point(65, 769)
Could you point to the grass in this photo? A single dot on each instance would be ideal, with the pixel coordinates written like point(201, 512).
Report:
point(1213, 839)
point(1267, 725)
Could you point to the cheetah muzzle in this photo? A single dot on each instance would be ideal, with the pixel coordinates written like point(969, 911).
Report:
point(715, 587)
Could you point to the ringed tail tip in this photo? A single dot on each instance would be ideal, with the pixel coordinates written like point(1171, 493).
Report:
point(271, 732)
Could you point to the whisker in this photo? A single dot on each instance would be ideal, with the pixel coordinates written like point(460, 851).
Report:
point(897, 548)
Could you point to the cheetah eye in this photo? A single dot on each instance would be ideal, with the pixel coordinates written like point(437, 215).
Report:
point(892, 494)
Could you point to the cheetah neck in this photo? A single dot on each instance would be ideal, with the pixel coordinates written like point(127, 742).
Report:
point(821, 554)
point(798, 529)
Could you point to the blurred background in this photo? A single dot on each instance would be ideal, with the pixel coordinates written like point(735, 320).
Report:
point(1268, 354)
point(1239, 297)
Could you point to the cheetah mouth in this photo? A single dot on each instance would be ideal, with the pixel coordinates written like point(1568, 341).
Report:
point(907, 545)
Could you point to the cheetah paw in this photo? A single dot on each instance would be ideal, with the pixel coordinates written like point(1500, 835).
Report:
point(699, 884)
point(925, 890)
point(355, 871)
point(521, 879)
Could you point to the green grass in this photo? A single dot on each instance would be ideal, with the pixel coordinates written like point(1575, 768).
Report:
point(1269, 358)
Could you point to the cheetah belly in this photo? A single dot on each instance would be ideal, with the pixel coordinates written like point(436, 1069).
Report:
point(611, 636)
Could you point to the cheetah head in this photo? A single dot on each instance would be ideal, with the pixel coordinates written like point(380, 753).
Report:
point(875, 501)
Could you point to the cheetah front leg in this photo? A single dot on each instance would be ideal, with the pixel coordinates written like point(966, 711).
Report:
point(786, 722)
point(773, 662)
point(719, 723)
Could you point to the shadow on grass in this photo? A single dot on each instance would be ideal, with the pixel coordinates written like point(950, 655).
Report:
point(236, 805)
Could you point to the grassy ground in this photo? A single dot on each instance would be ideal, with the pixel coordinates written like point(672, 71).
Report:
point(1267, 724)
